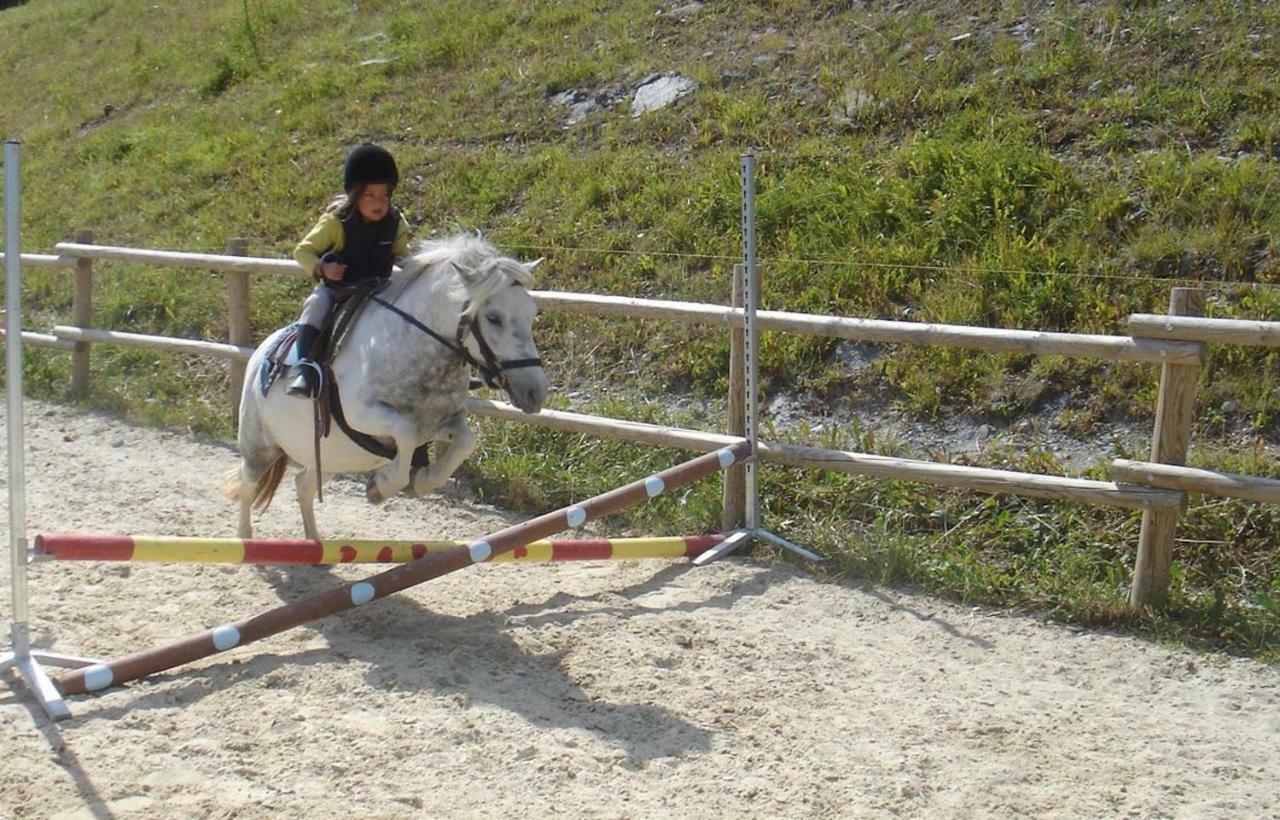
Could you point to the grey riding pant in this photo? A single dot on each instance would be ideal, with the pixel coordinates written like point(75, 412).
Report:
point(316, 308)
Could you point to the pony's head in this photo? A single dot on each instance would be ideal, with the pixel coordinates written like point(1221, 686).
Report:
point(497, 310)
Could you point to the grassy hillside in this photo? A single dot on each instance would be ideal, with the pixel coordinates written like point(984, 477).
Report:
point(1050, 166)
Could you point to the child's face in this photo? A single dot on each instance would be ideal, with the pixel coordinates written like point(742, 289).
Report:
point(374, 201)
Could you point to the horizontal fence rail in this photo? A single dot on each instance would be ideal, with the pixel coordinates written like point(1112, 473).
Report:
point(1200, 329)
point(991, 339)
point(168, 549)
point(1195, 480)
point(995, 340)
point(183, 259)
point(192, 346)
point(43, 260)
point(998, 340)
point(43, 340)
point(961, 476)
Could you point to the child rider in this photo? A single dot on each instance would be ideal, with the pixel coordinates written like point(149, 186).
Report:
point(356, 241)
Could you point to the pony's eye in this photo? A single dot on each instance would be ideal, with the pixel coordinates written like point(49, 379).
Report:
point(493, 318)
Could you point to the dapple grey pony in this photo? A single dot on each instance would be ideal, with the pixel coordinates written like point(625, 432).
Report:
point(403, 377)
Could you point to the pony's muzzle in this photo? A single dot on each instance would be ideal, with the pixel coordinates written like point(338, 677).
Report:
point(526, 388)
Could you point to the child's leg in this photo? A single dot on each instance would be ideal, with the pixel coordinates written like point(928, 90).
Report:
point(316, 308)
point(314, 311)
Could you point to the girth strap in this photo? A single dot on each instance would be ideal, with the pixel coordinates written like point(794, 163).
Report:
point(366, 441)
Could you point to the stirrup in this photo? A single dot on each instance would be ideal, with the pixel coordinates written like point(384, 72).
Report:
point(306, 385)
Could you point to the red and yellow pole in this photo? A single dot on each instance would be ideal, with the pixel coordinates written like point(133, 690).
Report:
point(182, 550)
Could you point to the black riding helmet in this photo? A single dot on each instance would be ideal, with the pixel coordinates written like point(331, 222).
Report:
point(369, 165)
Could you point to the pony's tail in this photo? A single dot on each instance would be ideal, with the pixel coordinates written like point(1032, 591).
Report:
point(264, 490)
point(231, 485)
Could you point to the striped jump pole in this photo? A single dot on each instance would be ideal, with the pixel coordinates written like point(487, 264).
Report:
point(177, 550)
point(432, 565)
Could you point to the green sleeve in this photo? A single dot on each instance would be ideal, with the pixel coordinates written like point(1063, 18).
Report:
point(324, 237)
point(400, 249)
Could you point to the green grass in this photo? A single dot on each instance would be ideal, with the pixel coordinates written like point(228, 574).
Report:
point(1066, 560)
point(1058, 169)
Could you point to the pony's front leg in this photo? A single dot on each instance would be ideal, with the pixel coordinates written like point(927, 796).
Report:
point(459, 442)
point(380, 420)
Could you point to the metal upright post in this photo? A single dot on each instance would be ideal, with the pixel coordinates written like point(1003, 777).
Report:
point(751, 297)
point(20, 655)
point(751, 300)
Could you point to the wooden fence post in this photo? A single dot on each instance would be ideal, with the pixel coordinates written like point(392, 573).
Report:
point(734, 505)
point(237, 319)
point(81, 315)
point(1175, 412)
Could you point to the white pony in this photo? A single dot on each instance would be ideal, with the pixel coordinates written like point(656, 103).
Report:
point(402, 379)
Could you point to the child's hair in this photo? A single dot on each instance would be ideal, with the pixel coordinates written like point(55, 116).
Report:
point(341, 204)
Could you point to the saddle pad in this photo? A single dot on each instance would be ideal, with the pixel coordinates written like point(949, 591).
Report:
point(277, 360)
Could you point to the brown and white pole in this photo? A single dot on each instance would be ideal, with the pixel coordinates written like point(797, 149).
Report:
point(432, 565)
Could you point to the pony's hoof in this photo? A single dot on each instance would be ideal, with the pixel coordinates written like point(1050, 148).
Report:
point(371, 491)
point(421, 485)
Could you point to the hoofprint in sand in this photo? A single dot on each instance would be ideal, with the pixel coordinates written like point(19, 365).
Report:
point(622, 689)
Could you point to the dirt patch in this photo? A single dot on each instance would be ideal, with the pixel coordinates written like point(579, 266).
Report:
point(628, 689)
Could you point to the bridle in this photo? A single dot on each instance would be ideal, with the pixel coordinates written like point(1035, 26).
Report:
point(492, 369)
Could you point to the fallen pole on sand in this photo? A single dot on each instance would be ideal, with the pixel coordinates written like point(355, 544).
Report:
point(432, 565)
point(182, 550)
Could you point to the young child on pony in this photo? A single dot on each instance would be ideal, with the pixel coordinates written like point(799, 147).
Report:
point(359, 237)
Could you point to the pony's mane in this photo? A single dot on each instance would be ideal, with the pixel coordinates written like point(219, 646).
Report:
point(480, 267)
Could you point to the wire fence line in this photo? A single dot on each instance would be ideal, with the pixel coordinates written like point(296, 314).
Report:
point(1215, 284)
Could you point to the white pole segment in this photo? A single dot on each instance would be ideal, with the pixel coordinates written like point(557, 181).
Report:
point(13, 388)
point(20, 655)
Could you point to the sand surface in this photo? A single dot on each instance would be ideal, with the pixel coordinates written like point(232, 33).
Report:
point(627, 689)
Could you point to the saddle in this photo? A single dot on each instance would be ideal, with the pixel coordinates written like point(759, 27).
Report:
point(349, 303)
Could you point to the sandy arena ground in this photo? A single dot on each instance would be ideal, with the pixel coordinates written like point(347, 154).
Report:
point(629, 689)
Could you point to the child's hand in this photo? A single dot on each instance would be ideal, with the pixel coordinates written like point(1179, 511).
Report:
point(333, 271)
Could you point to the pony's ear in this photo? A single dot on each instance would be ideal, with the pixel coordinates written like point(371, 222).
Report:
point(532, 266)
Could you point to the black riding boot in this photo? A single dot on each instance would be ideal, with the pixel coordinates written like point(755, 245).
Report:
point(308, 382)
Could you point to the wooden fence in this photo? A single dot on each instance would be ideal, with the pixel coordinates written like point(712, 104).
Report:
point(1175, 341)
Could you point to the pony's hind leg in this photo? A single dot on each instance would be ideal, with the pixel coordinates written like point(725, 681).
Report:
point(254, 467)
point(247, 482)
point(308, 485)
point(259, 454)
